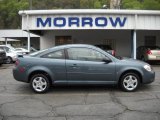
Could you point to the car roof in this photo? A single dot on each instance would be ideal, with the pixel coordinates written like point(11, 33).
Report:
point(72, 45)
point(4, 45)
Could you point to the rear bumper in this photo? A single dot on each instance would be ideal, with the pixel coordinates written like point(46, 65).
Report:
point(153, 58)
point(19, 76)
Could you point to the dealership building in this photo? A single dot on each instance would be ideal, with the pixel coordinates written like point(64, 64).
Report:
point(123, 30)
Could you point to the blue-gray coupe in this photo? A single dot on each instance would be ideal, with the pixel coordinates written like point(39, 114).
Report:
point(80, 64)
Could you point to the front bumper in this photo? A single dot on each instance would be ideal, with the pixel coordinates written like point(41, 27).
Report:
point(148, 77)
point(14, 59)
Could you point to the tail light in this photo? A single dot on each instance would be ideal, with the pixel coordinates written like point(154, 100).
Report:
point(17, 62)
point(113, 52)
point(149, 52)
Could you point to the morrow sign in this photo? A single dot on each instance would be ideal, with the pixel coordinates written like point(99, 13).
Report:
point(80, 22)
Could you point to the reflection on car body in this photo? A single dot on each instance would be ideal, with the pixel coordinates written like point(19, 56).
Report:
point(80, 64)
point(107, 48)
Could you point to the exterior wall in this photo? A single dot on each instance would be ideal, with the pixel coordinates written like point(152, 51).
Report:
point(148, 22)
point(141, 36)
point(47, 40)
point(94, 26)
point(122, 38)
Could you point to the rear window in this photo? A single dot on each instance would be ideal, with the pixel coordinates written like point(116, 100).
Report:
point(38, 53)
point(104, 47)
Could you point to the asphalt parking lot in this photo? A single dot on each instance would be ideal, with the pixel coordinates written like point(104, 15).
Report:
point(18, 102)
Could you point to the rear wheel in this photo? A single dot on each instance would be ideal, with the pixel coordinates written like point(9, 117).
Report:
point(130, 82)
point(40, 83)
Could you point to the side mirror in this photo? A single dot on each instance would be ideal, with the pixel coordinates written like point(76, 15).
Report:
point(107, 60)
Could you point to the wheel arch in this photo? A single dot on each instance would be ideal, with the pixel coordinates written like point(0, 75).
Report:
point(40, 71)
point(131, 71)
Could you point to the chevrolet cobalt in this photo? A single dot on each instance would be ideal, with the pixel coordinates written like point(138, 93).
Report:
point(80, 64)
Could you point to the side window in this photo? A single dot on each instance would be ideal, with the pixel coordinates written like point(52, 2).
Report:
point(85, 54)
point(54, 55)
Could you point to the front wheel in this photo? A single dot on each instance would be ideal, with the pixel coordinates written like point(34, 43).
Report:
point(40, 83)
point(130, 82)
point(9, 60)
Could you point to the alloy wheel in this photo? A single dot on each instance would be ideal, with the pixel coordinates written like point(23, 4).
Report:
point(40, 83)
point(130, 82)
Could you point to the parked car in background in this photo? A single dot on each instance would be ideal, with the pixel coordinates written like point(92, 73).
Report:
point(107, 48)
point(32, 49)
point(148, 53)
point(2, 56)
point(11, 54)
point(21, 51)
point(79, 64)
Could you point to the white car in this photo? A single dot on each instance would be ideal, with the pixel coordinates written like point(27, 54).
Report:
point(32, 49)
point(21, 51)
point(11, 54)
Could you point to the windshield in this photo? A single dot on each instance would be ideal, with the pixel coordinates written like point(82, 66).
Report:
point(104, 47)
point(12, 48)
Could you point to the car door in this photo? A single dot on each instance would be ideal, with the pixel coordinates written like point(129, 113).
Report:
point(85, 65)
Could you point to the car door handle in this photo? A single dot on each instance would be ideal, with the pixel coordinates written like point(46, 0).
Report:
point(74, 66)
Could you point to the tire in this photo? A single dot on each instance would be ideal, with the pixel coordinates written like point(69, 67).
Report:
point(129, 82)
point(40, 83)
point(9, 60)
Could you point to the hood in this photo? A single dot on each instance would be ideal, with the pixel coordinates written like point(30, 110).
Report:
point(135, 61)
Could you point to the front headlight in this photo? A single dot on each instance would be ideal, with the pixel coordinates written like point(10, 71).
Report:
point(147, 67)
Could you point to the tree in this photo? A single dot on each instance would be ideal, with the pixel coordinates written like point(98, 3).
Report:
point(9, 17)
point(141, 4)
point(151, 4)
point(9, 9)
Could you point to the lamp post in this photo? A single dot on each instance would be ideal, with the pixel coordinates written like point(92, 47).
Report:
point(29, 38)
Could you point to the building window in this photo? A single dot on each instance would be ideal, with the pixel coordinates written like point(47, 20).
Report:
point(150, 41)
point(61, 40)
point(110, 42)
